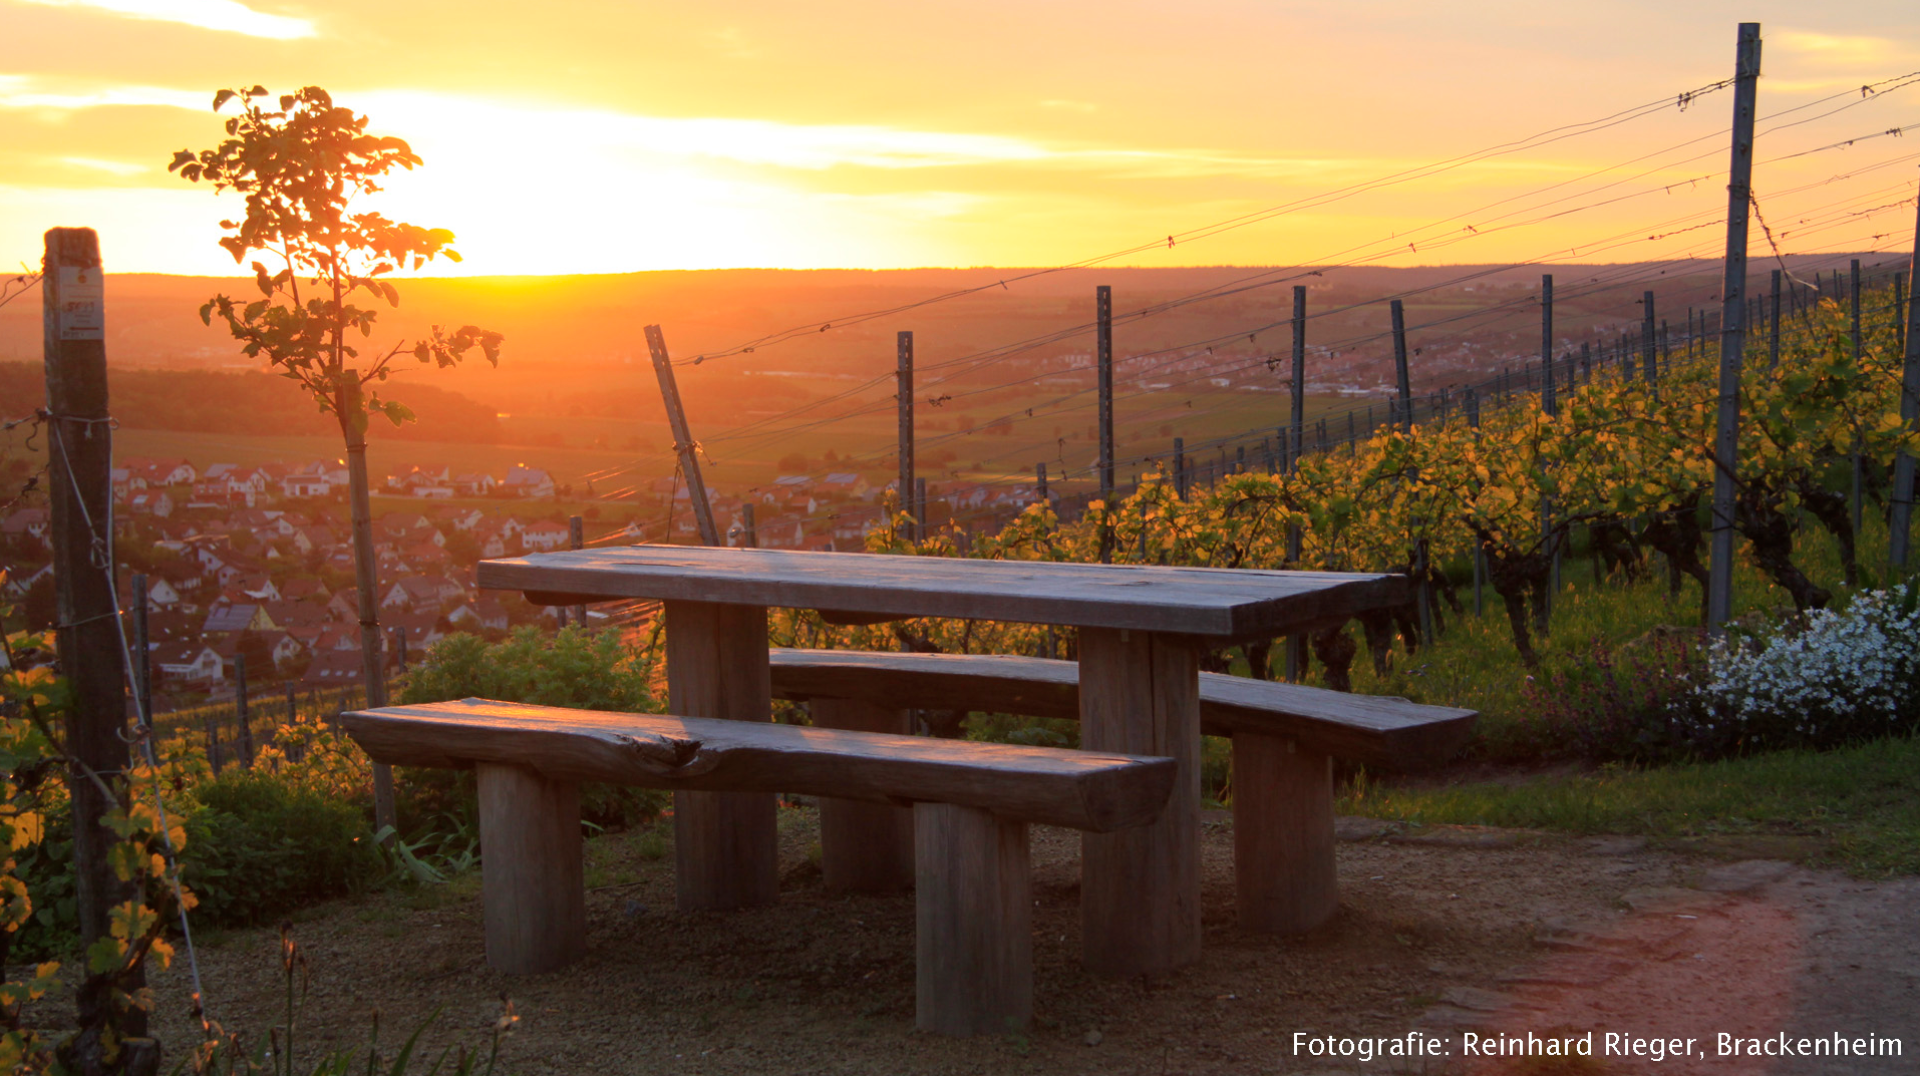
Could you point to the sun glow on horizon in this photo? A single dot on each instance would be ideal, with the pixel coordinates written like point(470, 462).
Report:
point(764, 141)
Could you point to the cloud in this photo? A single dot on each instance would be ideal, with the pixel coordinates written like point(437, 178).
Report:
point(16, 93)
point(115, 168)
point(226, 15)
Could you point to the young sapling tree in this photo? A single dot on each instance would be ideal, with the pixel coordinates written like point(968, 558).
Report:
point(320, 262)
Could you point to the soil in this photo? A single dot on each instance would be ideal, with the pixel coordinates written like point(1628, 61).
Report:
point(1443, 931)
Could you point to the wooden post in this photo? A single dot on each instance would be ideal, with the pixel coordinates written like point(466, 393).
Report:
point(725, 848)
point(751, 535)
point(142, 653)
point(1732, 331)
point(293, 712)
point(241, 720)
point(1282, 835)
point(1040, 478)
point(400, 646)
point(1550, 406)
point(1401, 383)
point(903, 395)
point(1296, 443)
point(1854, 498)
point(864, 847)
point(1647, 336)
point(80, 494)
point(1909, 411)
point(683, 444)
point(533, 894)
point(1180, 467)
point(973, 927)
point(1547, 402)
point(1140, 888)
point(1773, 322)
point(576, 539)
point(920, 507)
point(1103, 317)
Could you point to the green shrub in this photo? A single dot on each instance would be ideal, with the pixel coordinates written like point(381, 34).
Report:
point(259, 847)
point(570, 669)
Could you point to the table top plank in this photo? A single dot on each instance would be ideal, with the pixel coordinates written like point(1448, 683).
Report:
point(1203, 601)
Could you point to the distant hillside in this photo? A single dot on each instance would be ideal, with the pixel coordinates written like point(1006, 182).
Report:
point(254, 403)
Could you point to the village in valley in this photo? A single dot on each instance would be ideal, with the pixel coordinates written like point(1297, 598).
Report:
point(258, 560)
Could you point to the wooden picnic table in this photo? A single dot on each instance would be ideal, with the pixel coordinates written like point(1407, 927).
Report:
point(1142, 631)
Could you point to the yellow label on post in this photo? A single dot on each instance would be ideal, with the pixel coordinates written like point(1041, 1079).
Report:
point(82, 304)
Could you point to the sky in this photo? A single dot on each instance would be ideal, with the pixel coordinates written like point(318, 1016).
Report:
point(618, 135)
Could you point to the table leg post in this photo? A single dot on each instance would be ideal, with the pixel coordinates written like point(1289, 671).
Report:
point(1140, 888)
point(1283, 868)
point(726, 854)
point(533, 889)
point(864, 847)
point(973, 956)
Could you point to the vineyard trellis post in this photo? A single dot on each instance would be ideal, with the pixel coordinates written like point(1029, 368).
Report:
point(142, 650)
point(1180, 467)
point(1422, 594)
point(576, 539)
point(903, 392)
point(1647, 336)
point(683, 443)
point(1297, 444)
point(1732, 330)
point(241, 720)
point(1854, 498)
point(1550, 406)
point(1040, 481)
point(80, 492)
point(749, 534)
point(1909, 407)
point(1773, 326)
point(1103, 344)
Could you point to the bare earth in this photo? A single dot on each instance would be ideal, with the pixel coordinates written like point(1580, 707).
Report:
point(1445, 931)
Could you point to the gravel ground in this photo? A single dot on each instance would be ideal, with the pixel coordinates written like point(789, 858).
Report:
point(1444, 932)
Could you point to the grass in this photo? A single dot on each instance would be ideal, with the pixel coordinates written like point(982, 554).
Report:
point(1857, 807)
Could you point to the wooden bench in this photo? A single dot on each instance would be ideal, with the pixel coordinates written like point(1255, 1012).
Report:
point(1284, 737)
point(971, 803)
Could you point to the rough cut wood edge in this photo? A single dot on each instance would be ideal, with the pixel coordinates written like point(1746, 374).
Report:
point(1283, 850)
point(1077, 789)
point(973, 950)
point(864, 847)
point(1385, 732)
point(1221, 603)
point(532, 893)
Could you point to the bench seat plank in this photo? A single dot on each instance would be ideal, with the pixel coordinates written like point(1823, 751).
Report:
point(1084, 790)
point(1380, 731)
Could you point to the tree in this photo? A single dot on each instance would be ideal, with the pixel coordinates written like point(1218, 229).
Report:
point(302, 167)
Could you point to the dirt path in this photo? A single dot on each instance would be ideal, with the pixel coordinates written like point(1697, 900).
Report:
point(1451, 931)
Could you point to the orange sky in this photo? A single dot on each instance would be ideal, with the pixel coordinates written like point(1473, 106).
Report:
point(602, 135)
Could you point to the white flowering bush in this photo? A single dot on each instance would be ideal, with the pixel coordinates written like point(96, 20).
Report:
point(1844, 674)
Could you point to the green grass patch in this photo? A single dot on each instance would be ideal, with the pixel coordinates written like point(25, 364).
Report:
point(1857, 807)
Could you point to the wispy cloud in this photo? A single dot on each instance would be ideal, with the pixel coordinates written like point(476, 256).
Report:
point(21, 92)
point(225, 15)
point(115, 168)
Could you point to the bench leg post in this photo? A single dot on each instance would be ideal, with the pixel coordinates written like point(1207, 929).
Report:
point(864, 847)
point(973, 964)
point(533, 892)
point(725, 843)
point(1282, 835)
point(1140, 888)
